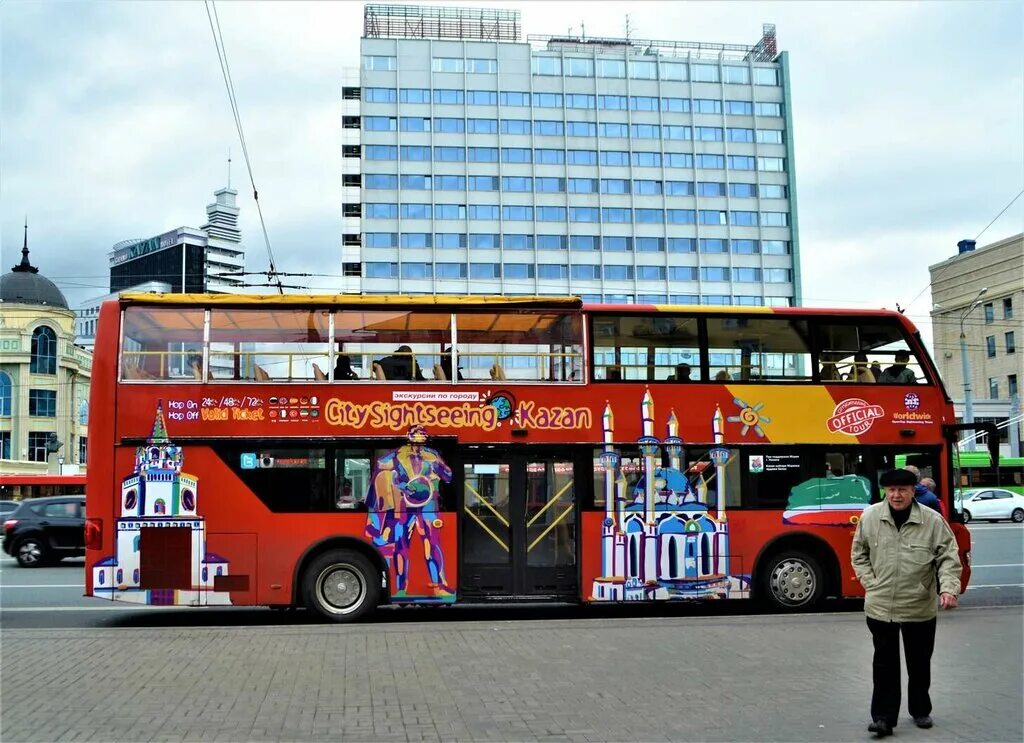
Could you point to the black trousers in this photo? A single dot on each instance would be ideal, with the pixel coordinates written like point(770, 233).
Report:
point(918, 643)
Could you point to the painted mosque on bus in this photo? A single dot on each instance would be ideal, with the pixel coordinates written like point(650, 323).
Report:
point(159, 496)
point(660, 540)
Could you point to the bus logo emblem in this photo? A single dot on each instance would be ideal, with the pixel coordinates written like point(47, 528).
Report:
point(854, 416)
point(911, 401)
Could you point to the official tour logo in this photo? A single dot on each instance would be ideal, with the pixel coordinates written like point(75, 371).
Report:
point(854, 416)
point(911, 401)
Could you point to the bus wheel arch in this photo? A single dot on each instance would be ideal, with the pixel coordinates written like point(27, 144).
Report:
point(349, 550)
point(807, 560)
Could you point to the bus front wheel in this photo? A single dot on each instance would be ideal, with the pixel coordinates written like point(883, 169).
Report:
point(341, 585)
point(792, 581)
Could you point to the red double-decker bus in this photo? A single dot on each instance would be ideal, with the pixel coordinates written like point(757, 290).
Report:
point(340, 452)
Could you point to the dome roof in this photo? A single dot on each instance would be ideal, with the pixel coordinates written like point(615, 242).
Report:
point(25, 285)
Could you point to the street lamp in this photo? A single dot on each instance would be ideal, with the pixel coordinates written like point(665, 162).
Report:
point(60, 464)
point(965, 361)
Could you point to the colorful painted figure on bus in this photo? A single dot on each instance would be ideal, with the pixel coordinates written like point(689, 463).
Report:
point(404, 499)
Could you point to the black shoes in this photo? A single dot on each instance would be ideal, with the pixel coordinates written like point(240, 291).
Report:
point(923, 722)
point(880, 728)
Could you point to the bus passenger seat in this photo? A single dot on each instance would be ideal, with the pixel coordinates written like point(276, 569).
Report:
point(497, 373)
point(439, 374)
point(261, 374)
point(318, 373)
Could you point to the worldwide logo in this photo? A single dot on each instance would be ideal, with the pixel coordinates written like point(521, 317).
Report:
point(854, 416)
point(911, 401)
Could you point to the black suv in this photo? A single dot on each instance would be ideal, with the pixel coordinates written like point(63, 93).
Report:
point(45, 530)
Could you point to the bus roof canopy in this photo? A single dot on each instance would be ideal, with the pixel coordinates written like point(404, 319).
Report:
point(348, 300)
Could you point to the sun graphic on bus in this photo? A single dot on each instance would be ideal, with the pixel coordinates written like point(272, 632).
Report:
point(502, 401)
point(750, 416)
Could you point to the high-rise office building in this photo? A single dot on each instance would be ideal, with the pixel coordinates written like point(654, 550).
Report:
point(182, 260)
point(616, 169)
point(190, 260)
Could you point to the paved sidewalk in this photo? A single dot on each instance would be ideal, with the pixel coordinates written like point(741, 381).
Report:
point(801, 678)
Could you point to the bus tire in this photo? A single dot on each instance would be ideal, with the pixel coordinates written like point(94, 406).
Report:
point(967, 516)
point(341, 585)
point(792, 580)
point(1017, 515)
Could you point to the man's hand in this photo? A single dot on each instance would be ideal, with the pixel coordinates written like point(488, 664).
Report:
point(948, 601)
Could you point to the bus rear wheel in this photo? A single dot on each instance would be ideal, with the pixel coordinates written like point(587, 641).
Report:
point(341, 585)
point(792, 581)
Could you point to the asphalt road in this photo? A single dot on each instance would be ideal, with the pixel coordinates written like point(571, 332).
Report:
point(52, 597)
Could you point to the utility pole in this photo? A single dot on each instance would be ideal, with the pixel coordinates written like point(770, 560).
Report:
point(966, 364)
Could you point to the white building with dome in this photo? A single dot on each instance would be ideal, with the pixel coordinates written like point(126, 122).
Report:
point(44, 376)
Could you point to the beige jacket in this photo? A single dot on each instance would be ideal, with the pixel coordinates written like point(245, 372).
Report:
point(897, 567)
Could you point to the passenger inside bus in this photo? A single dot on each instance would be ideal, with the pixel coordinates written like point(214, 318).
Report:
point(860, 372)
point(898, 373)
point(343, 369)
point(829, 370)
point(446, 365)
point(401, 365)
point(346, 500)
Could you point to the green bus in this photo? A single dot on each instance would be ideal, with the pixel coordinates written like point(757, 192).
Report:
point(975, 470)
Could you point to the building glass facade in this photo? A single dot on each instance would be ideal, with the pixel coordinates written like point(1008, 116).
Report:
point(615, 170)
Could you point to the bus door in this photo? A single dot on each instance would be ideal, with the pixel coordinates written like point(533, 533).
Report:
point(519, 523)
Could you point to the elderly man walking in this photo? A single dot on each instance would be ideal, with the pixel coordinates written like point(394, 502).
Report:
point(898, 551)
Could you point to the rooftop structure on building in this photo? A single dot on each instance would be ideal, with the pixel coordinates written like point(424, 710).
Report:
point(621, 170)
point(44, 376)
point(25, 285)
point(210, 258)
point(189, 259)
point(980, 292)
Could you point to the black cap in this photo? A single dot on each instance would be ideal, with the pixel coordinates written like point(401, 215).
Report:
point(897, 477)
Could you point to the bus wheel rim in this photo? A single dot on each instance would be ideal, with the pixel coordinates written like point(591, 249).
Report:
point(30, 551)
point(340, 589)
point(793, 582)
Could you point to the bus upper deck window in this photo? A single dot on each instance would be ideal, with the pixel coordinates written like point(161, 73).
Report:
point(761, 349)
point(264, 345)
point(866, 352)
point(519, 345)
point(640, 347)
point(394, 345)
point(160, 343)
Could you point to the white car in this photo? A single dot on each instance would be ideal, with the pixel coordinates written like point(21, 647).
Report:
point(992, 504)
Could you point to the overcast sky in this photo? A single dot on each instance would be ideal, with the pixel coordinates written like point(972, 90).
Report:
point(909, 124)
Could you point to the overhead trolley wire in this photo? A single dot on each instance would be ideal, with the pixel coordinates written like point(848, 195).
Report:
point(1001, 213)
point(225, 68)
